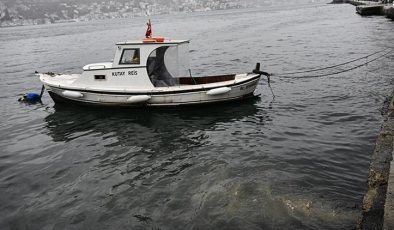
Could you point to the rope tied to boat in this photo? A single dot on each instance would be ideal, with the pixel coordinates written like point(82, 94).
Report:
point(288, 74)
point(383, 53)
point(269, 85)
point(258, 71)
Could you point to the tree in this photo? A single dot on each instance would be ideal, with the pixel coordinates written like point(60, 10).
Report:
point(6, 16)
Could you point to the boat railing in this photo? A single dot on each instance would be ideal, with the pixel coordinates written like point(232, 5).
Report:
point(97, 67)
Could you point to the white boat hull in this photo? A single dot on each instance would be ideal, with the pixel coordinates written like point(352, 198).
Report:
point(172, 96)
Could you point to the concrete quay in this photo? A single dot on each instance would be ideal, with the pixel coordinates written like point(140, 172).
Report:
point(376, 9)
point(369, 8)
point(389, 11)
point(378, 203)
point(389, 205)
point(355, 2)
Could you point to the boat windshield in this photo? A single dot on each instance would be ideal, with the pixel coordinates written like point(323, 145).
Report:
point(167, 64)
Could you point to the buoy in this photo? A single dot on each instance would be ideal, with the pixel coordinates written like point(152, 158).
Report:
point(72, 94)
point(159, 39)
point(218, 91)
point(32, 98)
point(138, 99)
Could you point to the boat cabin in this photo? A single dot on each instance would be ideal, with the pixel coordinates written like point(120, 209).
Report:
point(146, 64)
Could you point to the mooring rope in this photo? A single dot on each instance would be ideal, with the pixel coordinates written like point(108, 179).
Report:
point(286, 74)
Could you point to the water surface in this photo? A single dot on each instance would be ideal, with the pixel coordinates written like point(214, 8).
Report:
point(298, 161)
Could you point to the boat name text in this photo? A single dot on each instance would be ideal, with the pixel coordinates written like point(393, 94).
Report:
point(122, 73)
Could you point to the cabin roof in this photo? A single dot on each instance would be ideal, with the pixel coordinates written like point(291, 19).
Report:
point(140, 42)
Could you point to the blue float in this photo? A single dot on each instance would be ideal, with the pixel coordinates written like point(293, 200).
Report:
point(32, 98)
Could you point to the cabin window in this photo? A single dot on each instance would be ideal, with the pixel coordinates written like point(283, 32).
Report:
point(130, 57)
point(166, 65)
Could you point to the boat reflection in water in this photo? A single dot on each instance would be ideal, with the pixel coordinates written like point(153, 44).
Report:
point(141, 125)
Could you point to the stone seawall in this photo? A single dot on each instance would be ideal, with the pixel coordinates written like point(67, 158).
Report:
point(389, 204)
point(381, 177)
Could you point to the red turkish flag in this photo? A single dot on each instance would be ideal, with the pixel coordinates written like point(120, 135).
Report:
point(148, 33)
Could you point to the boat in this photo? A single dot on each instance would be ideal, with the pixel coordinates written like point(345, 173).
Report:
point(148, 72)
